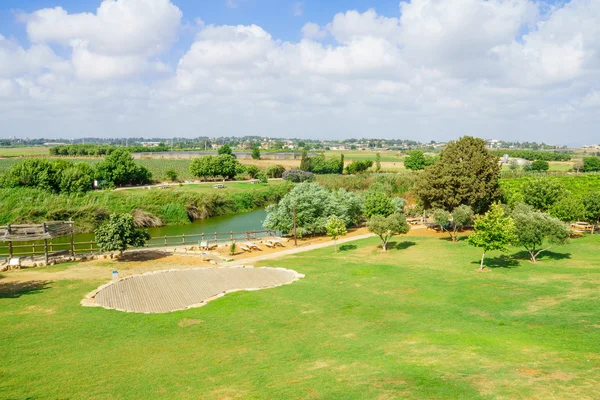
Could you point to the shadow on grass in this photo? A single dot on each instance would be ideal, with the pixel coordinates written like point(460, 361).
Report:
point(347, 247)
point(13, 290)
point(149, 255)
point(544, 255)
point(400, 246)
point(502, 261)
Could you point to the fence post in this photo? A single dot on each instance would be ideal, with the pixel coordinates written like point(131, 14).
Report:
point(183, 239)
point(231, 235)
point(216, 240)
point(247, 237)
point(165, 240)
point(255, 234)
point(34, 249)
point(72, 241)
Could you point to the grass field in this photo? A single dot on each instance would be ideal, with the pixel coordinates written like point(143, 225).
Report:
point(417, 322)
point(23, 151)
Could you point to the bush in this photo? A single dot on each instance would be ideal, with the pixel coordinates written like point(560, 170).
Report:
point(591, 164)
point(171, 174)
point(298, 175)
point(252, 171)
point(357, 166)
point(275, 171)
point(538, 166)
point(378, 203)
point(321, 165)
point(225, 166)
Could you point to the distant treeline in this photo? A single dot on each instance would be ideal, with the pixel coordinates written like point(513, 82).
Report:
point(100, 150)
point(533, 155)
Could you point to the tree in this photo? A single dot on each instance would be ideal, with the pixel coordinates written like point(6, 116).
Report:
point(591, 164)
point(305, 161)
point(539, 166)
point(388, 227)
point(253, 171)
point(358, 166)
point(119, 168)
point(224, 150)
point(453, 222)
point(534, 228)
point(341, 171)
point(335, 227)
point(119, 233)
point(568, 209)
point(378, 203)
point(255, 153)
point(415, 160)
point(35, 172)
point(78, 178)
point(591, 203)
point(465, 173)
point(311, 202)
point(492, 231)
point(314, 205)
point(542, 193)
point(275, 171)
point(171, 174)
point(226, 166)
point(377, 162)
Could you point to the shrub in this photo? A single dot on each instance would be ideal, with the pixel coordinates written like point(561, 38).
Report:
point(275, 171)
point(357, 166)
point(298, 175)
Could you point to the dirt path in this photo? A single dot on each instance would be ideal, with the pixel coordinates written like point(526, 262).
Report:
point(138, 262)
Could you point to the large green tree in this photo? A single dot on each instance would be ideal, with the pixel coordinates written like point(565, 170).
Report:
point(591, 164)
point(119, 233)
point(255, 153)
point(465, 173)
point(492, 231)
point(536, 228)
point(119, 169)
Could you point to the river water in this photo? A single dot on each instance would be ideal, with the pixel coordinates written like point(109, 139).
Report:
point(249, 221)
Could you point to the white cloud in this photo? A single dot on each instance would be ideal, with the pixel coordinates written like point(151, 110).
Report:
point(119, 39)
point(439, 68)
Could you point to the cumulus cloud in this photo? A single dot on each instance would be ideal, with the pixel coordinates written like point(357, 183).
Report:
point(506, 68)
point(116, 41)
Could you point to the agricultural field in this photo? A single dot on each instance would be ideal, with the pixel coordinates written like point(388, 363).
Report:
point(352, 155)
point(577, 185)
point(416, 322)
point(23, 151)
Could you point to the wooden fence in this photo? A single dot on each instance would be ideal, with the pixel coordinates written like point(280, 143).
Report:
point(33, 249)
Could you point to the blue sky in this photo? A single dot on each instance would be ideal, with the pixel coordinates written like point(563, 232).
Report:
point(420, 69)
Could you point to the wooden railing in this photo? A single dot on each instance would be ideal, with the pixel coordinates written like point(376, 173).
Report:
point(37, 248)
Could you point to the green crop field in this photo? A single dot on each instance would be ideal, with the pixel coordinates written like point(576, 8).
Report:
point(578, 185)
point(23, 151)
point(417, 322)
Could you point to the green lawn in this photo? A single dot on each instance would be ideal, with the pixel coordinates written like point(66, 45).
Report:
point(417, 322)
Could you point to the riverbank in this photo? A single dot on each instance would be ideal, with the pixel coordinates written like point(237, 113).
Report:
point(175, 205)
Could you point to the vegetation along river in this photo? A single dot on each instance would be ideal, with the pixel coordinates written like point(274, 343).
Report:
point(249, 221)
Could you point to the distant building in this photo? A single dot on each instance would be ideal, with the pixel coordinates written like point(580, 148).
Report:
point(150, 144)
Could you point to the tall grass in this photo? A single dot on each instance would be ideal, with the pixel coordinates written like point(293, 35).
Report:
point(392, 184)
point(172, 206)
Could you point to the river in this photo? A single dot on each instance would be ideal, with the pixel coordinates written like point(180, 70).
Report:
point(249, 221)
